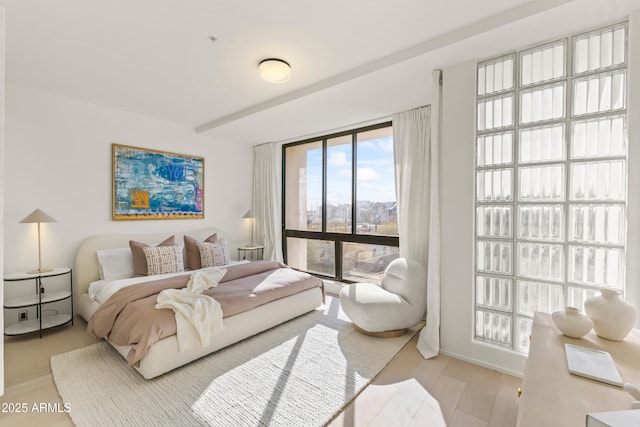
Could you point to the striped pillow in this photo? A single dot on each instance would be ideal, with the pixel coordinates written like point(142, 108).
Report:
point(164, 259)
point(212, 254)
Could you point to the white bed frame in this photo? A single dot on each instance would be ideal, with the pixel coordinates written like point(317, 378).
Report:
point(164, 356)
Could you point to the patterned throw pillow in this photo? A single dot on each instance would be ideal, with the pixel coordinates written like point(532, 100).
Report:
point(223, 242)
point(193, 252)
point(164, 259)
point(212, 254)
point(139, 261)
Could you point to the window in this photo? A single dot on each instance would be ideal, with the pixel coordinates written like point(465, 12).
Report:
point(550, 201)
point(340, 215)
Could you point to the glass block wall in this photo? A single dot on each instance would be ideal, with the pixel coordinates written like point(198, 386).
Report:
point(550, 181)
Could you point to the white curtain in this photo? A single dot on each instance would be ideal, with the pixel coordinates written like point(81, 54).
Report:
point(267, 206)
point(416, 152)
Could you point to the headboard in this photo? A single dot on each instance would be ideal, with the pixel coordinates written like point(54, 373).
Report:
point(86, 268)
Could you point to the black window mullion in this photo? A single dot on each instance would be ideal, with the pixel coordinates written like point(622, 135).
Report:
point(323, 226)
point(373, 239)
point(338, 260)
point(354, 177)
point(282, 202)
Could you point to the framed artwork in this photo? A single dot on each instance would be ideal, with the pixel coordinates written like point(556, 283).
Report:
point(152, 184)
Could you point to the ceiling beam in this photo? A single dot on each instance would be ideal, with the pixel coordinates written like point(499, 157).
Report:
point(462, 33)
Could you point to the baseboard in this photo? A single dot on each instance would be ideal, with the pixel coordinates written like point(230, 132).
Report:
point(483, 364)
point(333, 286)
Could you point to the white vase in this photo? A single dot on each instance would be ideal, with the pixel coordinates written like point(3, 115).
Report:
point(613, 318)
point(571, 322)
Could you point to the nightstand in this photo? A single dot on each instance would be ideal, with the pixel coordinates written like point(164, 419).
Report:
point(39, 299)
point(255, 252)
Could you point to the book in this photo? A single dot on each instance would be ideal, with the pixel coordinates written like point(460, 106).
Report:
point(593, 364)
point(628, 418)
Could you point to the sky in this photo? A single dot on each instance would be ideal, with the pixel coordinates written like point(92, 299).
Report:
point(375, 174)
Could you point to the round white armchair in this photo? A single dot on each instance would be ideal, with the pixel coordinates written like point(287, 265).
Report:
point(388, 309)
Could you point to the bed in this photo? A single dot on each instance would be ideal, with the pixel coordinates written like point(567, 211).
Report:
point(164, 355)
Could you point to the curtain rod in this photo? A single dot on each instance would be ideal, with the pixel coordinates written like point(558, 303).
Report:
point(331, 131)
point(339, 129)
point(415, 108)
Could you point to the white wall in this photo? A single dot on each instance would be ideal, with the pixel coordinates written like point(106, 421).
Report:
point(2, 181)
point(456, 174)
point(632, 293)
point(457, 166)
point(58, 158)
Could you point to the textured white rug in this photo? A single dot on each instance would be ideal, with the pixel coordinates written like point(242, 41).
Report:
point(300, 373)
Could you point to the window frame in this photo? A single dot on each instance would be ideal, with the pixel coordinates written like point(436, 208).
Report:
point(337, 238)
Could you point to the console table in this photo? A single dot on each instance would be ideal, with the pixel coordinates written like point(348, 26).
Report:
point(551, 396)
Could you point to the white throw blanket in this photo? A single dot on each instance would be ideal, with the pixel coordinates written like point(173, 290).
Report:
point(198, 317)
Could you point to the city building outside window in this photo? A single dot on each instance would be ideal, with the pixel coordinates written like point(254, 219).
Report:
point(339, 204)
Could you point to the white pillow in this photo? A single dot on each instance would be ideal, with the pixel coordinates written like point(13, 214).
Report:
point(164, 259)
point(115, 263)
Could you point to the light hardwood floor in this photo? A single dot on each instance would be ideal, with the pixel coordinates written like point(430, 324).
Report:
point(468, 395)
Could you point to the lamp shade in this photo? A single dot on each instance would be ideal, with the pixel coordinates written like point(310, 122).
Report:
point(249, 215)
point(37, 216)
point(274, 70)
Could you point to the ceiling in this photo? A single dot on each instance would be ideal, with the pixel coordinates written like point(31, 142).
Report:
point(352, 61)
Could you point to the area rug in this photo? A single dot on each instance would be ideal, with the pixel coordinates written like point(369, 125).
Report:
point(301, 373)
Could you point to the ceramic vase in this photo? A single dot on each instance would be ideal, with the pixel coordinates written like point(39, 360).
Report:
point(571, 322)
point(613, 318)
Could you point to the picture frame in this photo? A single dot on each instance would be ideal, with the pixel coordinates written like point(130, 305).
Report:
point(154, 184)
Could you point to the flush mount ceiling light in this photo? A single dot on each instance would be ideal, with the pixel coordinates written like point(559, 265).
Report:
point(274, 70)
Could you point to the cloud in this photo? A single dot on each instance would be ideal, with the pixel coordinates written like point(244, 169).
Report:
point(386, 144)
point(338, 158)
point(378, 144)
point(377, 162)
point(367, 174)
point(366, 144)
point(345, 172)
point(338, 197)
point(376, 193)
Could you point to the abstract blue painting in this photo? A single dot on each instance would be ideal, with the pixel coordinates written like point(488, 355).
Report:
point(152, 184)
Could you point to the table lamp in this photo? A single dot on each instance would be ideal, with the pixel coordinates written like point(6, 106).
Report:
point(252, 217)
point(38, 216)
